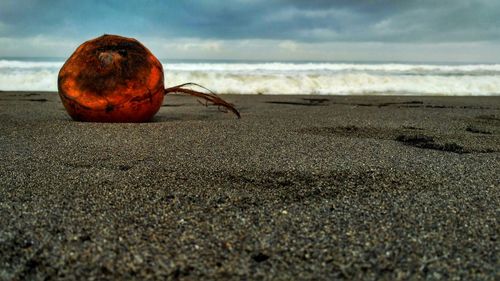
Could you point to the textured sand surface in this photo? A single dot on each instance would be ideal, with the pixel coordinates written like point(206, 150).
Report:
point(302, 187)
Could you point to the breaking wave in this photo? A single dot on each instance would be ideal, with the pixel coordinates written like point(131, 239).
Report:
point(291, 78)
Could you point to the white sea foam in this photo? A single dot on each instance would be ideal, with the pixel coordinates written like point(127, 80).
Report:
point(337, 67)
point(341, 84)
point(291, 78)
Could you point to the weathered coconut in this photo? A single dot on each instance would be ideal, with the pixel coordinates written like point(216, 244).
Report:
point(117, 79)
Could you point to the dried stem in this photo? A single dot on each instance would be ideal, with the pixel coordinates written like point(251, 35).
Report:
point(209, 97)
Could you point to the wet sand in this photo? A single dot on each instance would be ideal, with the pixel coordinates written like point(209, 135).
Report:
point(302, 187)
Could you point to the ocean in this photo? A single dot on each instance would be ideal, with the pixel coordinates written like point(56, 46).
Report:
point(324, 78)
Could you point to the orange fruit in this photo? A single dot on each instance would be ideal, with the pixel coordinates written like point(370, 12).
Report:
point(111, 79)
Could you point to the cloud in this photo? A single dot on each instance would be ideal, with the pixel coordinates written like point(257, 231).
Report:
point(369, 20)
point(39, 45)
point(195, 45)
point(361, 20)
point(289, 46)
point(3, 27)
point(272, 49)
point(214, 28)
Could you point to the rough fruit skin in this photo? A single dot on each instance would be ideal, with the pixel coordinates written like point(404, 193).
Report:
point(111, 79)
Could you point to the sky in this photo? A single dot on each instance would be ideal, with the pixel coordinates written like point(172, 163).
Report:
point(317, 30)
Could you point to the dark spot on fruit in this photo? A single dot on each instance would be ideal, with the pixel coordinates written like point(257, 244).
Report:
point(105, 58)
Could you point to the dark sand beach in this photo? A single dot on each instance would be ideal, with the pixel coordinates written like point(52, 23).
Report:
point(302, 187)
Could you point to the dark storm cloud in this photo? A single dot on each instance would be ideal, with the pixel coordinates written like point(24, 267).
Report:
point(303, 21)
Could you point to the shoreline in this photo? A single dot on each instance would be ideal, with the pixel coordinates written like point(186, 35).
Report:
point(321, 187)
